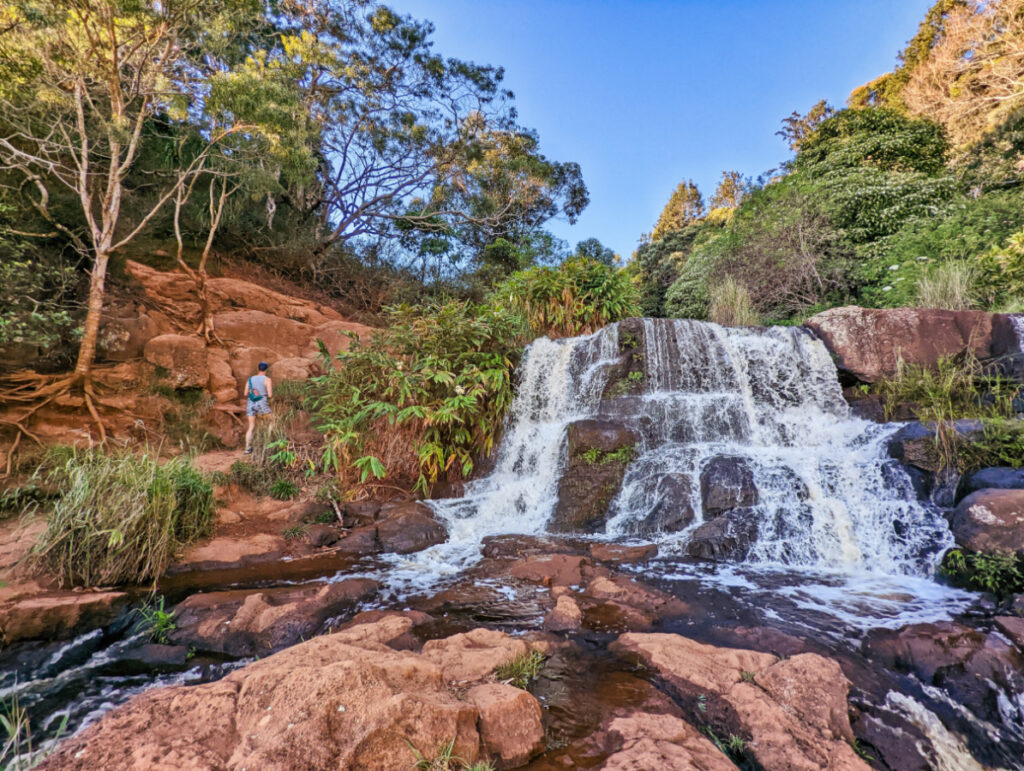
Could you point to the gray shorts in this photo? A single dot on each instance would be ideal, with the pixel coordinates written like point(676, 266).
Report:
point(257, 408)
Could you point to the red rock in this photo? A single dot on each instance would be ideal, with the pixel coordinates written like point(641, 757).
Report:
point(868, 342)
point(794, 710)
point(552, 570)
point(125, 338)
point(473, 655)
point(619, 554)
point(404, 528)
point(565, 617)
point(659, 741)
point(184, 358)
point(510, 724)
point(241, 622)
point(56, 615)
point(344, 700)
point(222, 383)
point(1012, 627)
point(990, 521)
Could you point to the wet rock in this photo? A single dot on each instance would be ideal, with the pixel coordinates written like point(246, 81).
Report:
point(319, 536)
point(357, 513)
point(151, 658)
point(344, 700)
point(183, 357)
point(241, 622)
point(408, 527)
point(726, 537)
point(565, 617)
point(598, 454)
point(1013, 628)
point(990, 521)
point(794, 710)
point(914, 443)
point(551, 570)
point(973, 667)
point(617, 603)
point(673, 511)
point(360, 542)
point(57, 615)
point(867, 343)
point(619, 554)
point(510, 725)
point(519, 546)
point(996, 478)
point(726, 482)
point(643, 741)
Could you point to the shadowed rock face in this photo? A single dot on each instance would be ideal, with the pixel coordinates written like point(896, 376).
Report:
point(867, 343)
point(997, 478)
point(726, 482)
point(599, 451)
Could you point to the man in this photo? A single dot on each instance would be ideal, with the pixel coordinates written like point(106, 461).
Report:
point(258, 391)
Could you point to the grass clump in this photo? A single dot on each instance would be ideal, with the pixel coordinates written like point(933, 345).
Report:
point(444, 759)
point(730, 305)
point(253, 478)
point(1000, 574)
point(283, 490)
point(951, 286)
point(155, 621)
point(293, 532)
point(120, 517)
point(17, 747)
point(522, 670)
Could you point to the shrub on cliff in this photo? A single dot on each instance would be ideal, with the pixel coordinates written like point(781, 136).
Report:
point(120, 517)
point(422, 398)
point(577, 297)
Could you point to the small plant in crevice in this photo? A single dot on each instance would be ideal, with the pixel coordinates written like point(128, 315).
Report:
point(749, 677)
point(733, 746)
point(636, 376)
point(295, 531)
point(522, 670)
point(444, 759)
point(862, 750)
point(1000, 574)
point(283, 490)
point(155, 621)
point(593, 456)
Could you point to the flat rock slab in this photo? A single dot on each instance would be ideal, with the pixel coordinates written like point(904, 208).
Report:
point(58, 615)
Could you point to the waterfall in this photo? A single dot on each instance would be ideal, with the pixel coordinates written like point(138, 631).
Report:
point(828, 495)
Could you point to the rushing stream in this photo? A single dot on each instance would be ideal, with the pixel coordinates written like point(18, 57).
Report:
point(843, 545)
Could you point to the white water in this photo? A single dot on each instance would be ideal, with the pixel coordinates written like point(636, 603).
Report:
point(829, 496)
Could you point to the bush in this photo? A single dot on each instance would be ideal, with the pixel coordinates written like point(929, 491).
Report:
point(120, 517)
point(730, 305)
point(422, 398)
point(578, 297)
point(1000, 574)
point(252, 477)
point(951, 286)
point(283, 490)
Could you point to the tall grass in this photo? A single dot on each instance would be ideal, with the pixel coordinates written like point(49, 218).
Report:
point(951, 286)
point(731, 305)
point(120, 516)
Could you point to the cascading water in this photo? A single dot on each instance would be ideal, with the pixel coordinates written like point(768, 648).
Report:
point(828, 495)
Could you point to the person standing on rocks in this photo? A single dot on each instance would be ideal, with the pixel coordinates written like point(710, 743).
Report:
point(258, 391)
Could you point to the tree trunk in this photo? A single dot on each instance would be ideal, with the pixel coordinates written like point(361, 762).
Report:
point(87, 349)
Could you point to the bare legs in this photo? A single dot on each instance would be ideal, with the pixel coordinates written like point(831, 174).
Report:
point(248, 433)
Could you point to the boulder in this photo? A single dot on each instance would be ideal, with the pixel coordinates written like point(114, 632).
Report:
point(997, 478)
point(473, 655)
point(990, 521)
point(122, 339)
point(598, 454)
point(184, 358)
point(673, 511)
point(241, 622)
point(511, 731)
point(726, 537)
point(566, 616)
point(794, 710)
point(619, 554)
point(222, 384)
point(57, 615)
point(259, 329)
point(551, 570)
point(726, 482)
point(292, 369)
point(319, 536)
point(868, 343)
point(344, 700)
point(245, 359)
point(643, 741)
point(408, 527)
point(1013, 628)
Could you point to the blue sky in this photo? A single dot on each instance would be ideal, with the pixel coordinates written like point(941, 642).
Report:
point(645, 93)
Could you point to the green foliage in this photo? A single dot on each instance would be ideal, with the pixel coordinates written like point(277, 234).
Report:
point(685, 206)
point(34, 294)
point(594, 456)
point(120, 517)
point(444, 759)
point(17, 750)
point(421, 398)
point(659, 264)
point(1001, 444)
point(1000, 574)
point(1001, 269)
point(522, 670)
point(578, 297)
point(283, 490)
point(156, 622)
point(256, 479)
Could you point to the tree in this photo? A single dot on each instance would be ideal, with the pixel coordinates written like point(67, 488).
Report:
point(82, 82)
point(730, 191)
point(685, 206)
point(797, 128)
point(592, 249)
